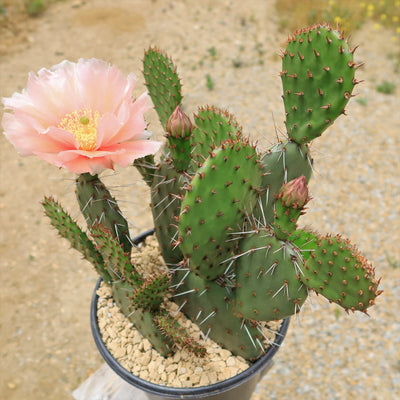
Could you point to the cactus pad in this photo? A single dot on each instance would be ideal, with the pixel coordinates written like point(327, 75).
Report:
point(318, 79)
point(268, 284)
point(162, 83)
point(165, 207)
point(210, 306)
point(213, 126)
point(69, 229)
point(118, 262)
point(151, 293)
point(216, 202)
point(337, 270)
point(178, 335)
point(283, 162)
point(99, 206)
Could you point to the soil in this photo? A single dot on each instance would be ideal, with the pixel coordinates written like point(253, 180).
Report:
point(45, 341)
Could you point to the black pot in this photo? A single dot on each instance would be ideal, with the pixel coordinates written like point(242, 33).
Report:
point(239, 387)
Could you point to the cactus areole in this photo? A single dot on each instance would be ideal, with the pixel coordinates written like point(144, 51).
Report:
point(226, 212)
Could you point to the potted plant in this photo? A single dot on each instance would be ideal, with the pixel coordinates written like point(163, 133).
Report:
point(225, 212)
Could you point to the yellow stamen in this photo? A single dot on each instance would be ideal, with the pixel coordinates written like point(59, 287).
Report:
point(83, 124)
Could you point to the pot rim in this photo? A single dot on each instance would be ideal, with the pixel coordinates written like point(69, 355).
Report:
point(154, 388)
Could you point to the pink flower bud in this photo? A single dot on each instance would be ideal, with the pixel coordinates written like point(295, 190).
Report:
point(179, 124)
point(294, 193)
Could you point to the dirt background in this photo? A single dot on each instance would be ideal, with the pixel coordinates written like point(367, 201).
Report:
point(46, 349)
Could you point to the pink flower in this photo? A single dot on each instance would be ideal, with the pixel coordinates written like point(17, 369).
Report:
point(80, 116)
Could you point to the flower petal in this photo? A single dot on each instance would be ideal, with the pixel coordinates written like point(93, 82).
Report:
point(65, 138)
point(108, 127)
point(102, 87)
point(81, 165)
point(30, 141)
point(134, 124)
point(134, 150)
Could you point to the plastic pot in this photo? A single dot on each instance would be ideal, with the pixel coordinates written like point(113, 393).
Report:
point(239, 387)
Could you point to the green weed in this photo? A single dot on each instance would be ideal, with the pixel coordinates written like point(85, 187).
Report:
point(386, 87)
point(393, 263)
point(35, 7)
point(209, 82)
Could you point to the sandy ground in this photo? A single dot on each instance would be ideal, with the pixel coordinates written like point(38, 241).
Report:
point(46, 348)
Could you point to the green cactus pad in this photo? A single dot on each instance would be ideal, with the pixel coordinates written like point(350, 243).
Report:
point(210, 306)
point(337, 270)
point(283, 162)
point(69, 229)
point(118, 262)
point(317, 78)
point(178, 335)
point(142, 320)
point(180, 153)
point(165, 206)
point(213, 126)
point(146, 167)
point(151, 293)
point(99, 206)
point(268, 284)
point(304, 240)
point(162, 83)
point(217, 200)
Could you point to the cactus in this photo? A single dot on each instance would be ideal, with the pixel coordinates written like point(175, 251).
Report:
point(318, 79)
point(218, 198)
point(69, 229)
point(268, 273)
point(226, 213)
point(336, 269)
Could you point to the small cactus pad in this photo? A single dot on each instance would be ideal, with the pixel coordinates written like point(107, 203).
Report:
point(99, 206)
point(151, 293)
point(217, 200)
point(162, 83)
point(213, 126)
point(178, 335)
point(118, 262)
point(69, 229)
point(143, 320)
point(318, 79)
point(337, 270)
point(165, 206)
point(179, 132)
point(281, 163)
point(268, 284)
point(304, 240)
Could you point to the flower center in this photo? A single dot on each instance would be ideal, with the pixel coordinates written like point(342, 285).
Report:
point(83, 124)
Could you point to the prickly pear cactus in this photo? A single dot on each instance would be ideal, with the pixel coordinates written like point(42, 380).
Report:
point(217, 200)
point(162, 82)
point(268, 273)
point(337, 270)
point(318, 79)
point(226, 213)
